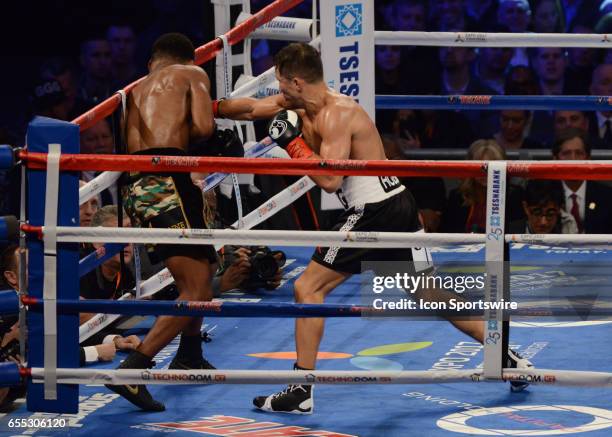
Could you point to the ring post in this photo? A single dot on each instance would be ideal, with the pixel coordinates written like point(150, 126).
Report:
point(497, 282)
point(42, 132)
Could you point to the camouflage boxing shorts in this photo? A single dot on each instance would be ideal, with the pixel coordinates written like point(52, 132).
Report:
point(166, 201)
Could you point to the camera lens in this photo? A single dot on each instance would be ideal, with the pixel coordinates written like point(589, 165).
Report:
point(264, 266)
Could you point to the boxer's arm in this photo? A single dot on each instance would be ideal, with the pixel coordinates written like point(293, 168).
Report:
point(248, 108)
point(202, 121)
point(336, 139)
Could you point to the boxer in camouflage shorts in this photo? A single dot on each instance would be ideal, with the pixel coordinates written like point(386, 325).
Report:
point(166, 112)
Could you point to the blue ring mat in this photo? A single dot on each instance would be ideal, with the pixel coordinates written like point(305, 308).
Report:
point(375, 410)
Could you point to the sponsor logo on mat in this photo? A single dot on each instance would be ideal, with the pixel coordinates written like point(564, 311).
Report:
point(236, 426)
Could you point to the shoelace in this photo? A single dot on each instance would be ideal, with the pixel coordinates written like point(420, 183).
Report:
point(290, 388)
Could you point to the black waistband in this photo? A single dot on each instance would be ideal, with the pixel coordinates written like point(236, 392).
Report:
point(163, 151)
point(133, 176)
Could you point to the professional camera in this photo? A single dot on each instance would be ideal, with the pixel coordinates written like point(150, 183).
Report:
point(264, 265)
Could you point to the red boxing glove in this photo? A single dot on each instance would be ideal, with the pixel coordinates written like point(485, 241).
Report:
point(298, 149)
point(215, 108)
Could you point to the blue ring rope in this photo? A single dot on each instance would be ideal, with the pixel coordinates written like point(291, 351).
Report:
point(486, 102)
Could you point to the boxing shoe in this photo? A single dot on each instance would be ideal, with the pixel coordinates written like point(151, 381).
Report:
point(137, 394)
point(295, 399)
point(189, 354)
point(515, 361)
point(190, 364)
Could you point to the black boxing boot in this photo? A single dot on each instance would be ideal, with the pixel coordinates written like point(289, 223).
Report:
point(189, 355)
point(515, 361)
point(295, 399)
point(137, 394)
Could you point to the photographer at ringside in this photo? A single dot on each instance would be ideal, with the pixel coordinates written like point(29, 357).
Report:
point(240, 267)
point(248, 268)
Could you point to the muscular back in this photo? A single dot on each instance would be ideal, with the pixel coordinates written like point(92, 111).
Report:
point(171, 107)
point(341, 115)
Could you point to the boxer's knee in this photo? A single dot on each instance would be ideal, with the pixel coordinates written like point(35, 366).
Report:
point(306, 291)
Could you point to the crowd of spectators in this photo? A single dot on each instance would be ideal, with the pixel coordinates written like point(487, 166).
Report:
point(66, 85)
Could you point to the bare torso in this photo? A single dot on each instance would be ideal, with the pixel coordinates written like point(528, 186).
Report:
point(349, 116)
point(160, 108)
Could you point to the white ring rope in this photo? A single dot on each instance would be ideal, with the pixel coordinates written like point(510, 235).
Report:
point(482, 39)
point(97, 185)
point(296, 31)
point(70, 234)
point(571, 378)
point(276, 203)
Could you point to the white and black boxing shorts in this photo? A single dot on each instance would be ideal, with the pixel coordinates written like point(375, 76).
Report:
point(395, 214)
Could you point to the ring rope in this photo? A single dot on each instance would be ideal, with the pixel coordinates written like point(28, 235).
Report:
point(97, 185)
point(131, 307)
point(482, 39)
point(97, 257)
point(74, 234)
point(569, 378)
point(494, 102)
point(564, 170)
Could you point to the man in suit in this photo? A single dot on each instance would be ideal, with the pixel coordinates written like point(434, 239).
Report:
point(543, 206)
point(600, 126)
point(587, 201)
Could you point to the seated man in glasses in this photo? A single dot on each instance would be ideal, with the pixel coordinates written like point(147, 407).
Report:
point(542, 204)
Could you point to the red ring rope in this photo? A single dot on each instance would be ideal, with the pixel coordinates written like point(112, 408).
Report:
point(202, 54)
point(553, 170)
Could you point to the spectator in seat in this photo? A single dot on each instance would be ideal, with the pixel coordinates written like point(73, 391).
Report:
point(450, 16)
point(482, 13)
point(88, 209)
point(466, 207)
point(548, 17)
point(457, 79)
point(48, 99)
point(122, 40)
point(97, 76)
point(420, 70)
point(587, 201)
point(100, 352)
point(513, 132)
point(570, 119)
point(520, 80)
point(98, 139)
point(516, 16)
point(543, 206)
point(581, 63)
point(64, 71)
point(549, 64)
point(106, 282)
point(493, 63)
point(600, 122)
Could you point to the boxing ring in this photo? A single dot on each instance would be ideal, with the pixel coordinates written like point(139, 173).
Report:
point(253, 334)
